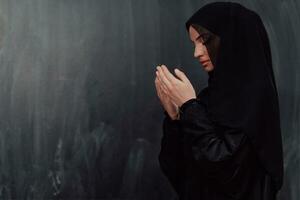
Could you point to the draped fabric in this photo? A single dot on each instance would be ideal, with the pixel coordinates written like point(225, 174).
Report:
point(227, 142)
point(242, 88)
point(207, 162)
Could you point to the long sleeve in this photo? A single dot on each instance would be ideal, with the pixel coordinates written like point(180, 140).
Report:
point(171, 153)
point(213, 147)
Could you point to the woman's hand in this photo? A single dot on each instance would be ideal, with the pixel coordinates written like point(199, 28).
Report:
point(178, 90)
point(169, 106)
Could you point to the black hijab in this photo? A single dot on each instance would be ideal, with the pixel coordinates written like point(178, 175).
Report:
point(241, 89)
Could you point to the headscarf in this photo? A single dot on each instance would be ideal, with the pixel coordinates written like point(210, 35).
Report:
point(241, 88)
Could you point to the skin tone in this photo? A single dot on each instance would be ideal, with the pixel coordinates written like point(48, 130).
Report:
point(201, 51)
point(208, 43)
point(172, 90)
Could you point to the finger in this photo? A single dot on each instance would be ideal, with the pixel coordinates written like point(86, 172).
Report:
point(181, 75)
point(164, 91)
point(164, 95)
point(164, 80)
point(161, 84)
point(157, 86)
point(157, 83)
point(168, 74)
point(161, 91)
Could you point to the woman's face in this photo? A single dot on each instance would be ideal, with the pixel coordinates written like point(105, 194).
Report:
point(206, 46)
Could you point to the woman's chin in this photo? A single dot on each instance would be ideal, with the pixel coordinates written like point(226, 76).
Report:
point(208, 68)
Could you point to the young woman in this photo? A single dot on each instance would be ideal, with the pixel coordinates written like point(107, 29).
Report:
point(225, 142)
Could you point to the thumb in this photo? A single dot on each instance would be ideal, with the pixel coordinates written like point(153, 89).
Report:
point(181, 75)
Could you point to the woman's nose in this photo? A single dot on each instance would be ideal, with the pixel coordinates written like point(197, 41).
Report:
point(199, 51)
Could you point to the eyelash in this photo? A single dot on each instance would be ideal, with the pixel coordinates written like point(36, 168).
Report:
point(208, 37)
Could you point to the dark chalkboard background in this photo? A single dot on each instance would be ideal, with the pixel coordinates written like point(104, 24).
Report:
point(79, 115)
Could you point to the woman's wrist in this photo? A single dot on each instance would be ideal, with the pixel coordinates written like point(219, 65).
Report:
point(187, 103)
point(175, 117)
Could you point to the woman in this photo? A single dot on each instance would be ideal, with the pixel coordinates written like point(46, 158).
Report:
point(224, 143)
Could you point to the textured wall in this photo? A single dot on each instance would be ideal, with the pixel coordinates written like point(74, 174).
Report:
point(79, 116)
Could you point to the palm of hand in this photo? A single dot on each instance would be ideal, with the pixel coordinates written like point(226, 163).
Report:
point(170, 107)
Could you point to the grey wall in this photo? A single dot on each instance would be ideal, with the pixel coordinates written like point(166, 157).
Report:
point(79, 116)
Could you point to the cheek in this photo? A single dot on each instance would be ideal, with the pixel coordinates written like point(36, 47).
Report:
point(205, 50)
point(200, 48)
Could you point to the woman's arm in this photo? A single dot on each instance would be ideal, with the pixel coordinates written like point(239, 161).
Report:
point(171, 153)
point(213, 147)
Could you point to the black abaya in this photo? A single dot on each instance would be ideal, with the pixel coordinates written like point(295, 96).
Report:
point(227, 142)
point(202, 165)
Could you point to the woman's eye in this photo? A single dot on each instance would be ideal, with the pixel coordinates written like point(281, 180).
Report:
point(205, 38)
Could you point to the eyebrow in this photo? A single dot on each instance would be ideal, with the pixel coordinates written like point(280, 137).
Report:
point(199, 36)
point(195, 39)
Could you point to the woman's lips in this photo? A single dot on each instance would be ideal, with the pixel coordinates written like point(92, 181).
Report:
point(204, 62)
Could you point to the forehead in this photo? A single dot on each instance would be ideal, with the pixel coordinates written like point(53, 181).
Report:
point(195, 30)
point(193, 33)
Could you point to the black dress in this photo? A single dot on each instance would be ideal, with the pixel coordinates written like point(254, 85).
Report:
point(242, 92)
point(205, 162)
